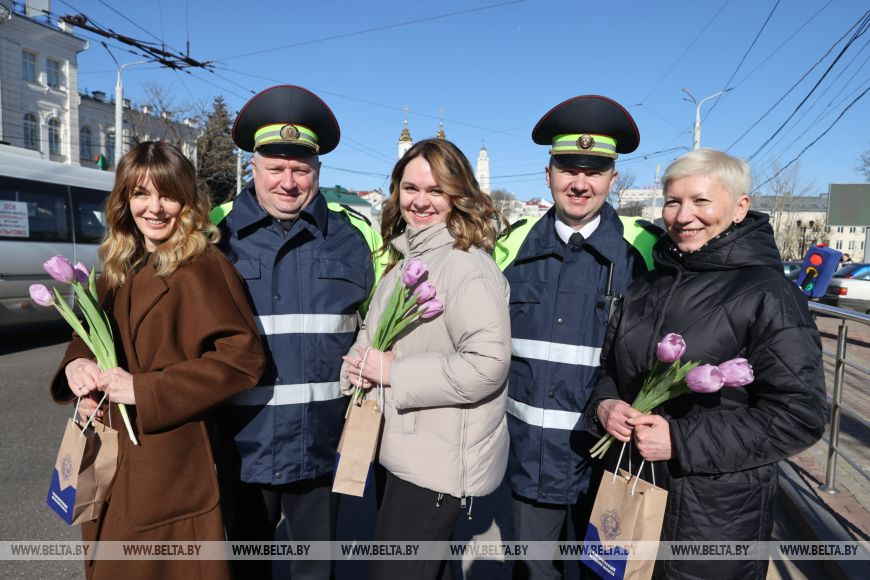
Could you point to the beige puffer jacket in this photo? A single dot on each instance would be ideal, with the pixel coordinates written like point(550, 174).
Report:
point(445, 426)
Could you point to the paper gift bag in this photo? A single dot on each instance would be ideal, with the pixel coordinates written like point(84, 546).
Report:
point(83, 470)
point(627, 509)
point(357, 447)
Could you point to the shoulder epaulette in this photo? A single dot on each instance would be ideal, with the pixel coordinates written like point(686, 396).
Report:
point(643, 235)
point(508, 244)
point(219, 212)
point(650, 227)
point(514, 226)
point(356, 213)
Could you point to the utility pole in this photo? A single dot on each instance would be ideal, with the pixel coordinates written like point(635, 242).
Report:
point(119, 105)
point(655, 193)
point(238, 172)
point(696, 138)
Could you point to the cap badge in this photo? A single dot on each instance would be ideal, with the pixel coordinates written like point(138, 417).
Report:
point(585, 142)
point(289, 133)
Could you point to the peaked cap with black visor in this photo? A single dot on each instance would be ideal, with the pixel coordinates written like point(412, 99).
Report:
point(588, 131)
point(286, 121)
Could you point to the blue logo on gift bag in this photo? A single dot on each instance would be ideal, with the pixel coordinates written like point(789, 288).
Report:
point(607, 562)
point(61, 500)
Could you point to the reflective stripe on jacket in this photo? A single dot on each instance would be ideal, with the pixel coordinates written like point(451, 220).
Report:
point(305, 286)
point(558, 322)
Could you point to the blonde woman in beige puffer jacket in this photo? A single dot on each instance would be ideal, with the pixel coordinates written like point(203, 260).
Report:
point(445, 435)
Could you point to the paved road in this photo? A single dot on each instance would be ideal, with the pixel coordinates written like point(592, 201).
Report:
point(31, 427)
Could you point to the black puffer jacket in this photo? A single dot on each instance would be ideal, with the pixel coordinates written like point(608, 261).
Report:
point(729, 299)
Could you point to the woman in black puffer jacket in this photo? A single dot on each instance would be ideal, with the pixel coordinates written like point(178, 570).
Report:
point(718, 282)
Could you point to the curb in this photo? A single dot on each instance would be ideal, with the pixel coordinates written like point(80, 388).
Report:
point(815, 520)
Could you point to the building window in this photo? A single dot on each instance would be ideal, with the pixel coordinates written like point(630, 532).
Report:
point(852, 230)
point(28, 66)
point(31, 132)
point(828, 230)
point(840, 230)
point(110, 147)
point(54, 136)
point(54, 73)
point(86, 146)
point(851, 244)
point(839, 245)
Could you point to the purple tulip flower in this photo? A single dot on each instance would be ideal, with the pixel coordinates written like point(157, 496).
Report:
point(431, 309)
point(414, 271)
point(60, 269)
point(738, 372)
point(424, 292)
point(671, 348)
point(705, 379)
point(81, 273)
point(41, 295)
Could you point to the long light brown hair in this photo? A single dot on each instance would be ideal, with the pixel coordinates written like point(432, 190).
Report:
point(473, 220)
point(173, 175)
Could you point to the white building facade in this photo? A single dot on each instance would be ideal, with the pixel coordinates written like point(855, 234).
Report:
point(481, 170)
point(41, 108)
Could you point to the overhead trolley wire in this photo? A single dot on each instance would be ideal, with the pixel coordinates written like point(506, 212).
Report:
point(795, 85)
point(830, 109)
point(832, 105)
point(373, 29)
point(858, 33)
point(781, 45)
point(679, 58)
point(814, 141)
point(743, 59)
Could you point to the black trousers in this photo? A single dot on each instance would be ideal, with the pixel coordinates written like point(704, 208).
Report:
point(252, 513)
point(540, 522)
point(412, 513)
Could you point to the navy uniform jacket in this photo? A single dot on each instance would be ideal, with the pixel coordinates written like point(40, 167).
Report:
point(558, 322)
point(304, 286)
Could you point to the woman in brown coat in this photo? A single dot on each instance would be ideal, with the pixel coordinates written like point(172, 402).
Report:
point(186, 341)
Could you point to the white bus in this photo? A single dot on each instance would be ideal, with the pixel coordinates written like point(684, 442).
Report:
point(46, 208)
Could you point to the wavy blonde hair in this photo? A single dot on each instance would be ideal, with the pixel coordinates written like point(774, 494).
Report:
point(473, 220)
point(173, 175)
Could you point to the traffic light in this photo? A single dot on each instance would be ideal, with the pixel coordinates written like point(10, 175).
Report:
point(819, 266)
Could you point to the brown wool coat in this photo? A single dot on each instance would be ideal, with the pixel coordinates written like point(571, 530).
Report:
point(190, 342)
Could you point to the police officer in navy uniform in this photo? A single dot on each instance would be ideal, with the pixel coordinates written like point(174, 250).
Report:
point(564, 272)
point(307, 269)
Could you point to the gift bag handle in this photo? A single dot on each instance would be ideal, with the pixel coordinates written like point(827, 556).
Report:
point(380, 387)
point(93, 415)
point(636, 476)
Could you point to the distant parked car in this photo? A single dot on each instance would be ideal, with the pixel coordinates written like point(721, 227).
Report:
point(791, 269)
point(850, 288)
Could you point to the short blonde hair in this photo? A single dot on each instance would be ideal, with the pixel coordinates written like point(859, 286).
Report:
point(733, 173)
point(173, 175)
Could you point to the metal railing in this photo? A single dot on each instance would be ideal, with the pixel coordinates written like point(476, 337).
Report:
point(840, 364)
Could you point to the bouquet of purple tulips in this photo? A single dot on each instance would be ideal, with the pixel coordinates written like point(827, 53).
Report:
point(98, 334)
point(665, 383)
point(413, 299)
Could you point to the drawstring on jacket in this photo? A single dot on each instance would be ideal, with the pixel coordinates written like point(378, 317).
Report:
point(440, 498)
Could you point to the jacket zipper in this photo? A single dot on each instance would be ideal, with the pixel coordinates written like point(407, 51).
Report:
point(462, 457)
